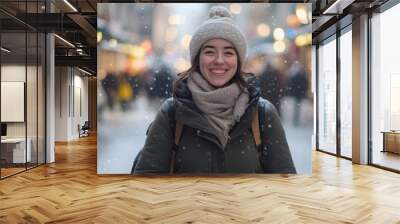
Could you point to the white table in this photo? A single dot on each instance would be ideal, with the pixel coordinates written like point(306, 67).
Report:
point(19, 149)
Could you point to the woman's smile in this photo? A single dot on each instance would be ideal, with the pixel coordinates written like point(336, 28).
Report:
point(218, 72)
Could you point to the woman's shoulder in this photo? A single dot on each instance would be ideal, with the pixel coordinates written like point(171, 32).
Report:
point(267, 107)
point(168, 105)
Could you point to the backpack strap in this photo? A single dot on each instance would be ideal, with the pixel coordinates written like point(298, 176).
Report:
point(178, 134)
point(259, 124)
point(255, 128)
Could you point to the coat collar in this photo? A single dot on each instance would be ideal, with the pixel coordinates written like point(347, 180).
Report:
point(189, 114)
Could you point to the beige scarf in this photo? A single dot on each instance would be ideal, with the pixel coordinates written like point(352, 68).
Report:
point(222, 106)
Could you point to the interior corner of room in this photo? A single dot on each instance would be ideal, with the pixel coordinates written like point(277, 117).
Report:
point(71, 102)
point(47, 93)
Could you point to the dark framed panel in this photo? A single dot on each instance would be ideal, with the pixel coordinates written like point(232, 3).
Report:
point(333, 33)
point(25, 59)
point(321, 146)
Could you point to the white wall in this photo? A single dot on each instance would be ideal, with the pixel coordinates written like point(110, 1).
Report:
point(33, 126)
point(16, 73)
point(71, 94)
point(61, 103)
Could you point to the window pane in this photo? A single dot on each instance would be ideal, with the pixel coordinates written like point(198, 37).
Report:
point(327, 96)
point(346, 94)
point(386, 89)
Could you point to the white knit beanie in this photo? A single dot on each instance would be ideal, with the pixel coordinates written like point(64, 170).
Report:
point(219, 25)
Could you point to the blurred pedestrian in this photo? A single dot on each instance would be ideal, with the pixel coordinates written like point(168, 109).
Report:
point(125, 93)
point(270, 85)
point(297, 88)
point(161, 82)
point(110, 86)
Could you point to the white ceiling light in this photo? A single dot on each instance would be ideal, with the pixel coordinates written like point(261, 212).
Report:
point(70, 5)
point(86, 72)
point(338, 6)
point(64, 40)
point(5, 50)
point(79, 51)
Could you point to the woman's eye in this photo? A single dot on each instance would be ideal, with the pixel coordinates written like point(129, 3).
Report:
point(208, 52)
point(229, 53)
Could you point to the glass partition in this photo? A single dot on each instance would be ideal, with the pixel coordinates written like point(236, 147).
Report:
point(32, 95)
point(22, 89)
point(14, 153)
point(41, 88)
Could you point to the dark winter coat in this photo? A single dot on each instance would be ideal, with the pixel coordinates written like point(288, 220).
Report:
point(199, 150)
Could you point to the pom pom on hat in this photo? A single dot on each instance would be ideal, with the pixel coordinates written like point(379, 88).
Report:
point(219, 11)
point(219, 25)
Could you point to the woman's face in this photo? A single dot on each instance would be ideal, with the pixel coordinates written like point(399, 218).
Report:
point(218, 61)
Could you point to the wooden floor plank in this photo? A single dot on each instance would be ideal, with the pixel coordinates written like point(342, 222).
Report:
point(70, 191)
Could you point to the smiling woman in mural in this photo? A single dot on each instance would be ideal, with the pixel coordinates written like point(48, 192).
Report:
point(216, 121)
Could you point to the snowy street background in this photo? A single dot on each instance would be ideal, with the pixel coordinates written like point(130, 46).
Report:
point(143, 46)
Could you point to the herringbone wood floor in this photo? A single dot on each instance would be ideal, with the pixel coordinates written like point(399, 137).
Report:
point(70, 191)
